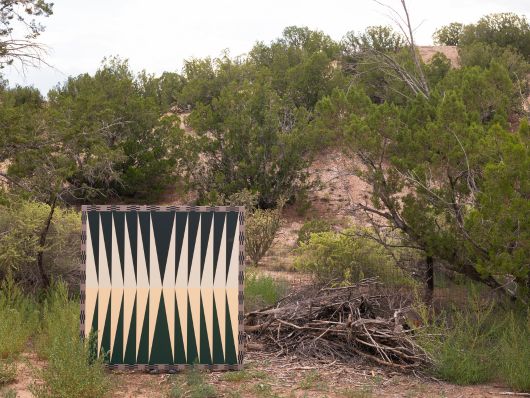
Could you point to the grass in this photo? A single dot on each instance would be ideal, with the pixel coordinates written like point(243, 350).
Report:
point(313, 381)
point(243, 375)
point(262, 290)
point(8, 371)
point(19, 319)
point(71, 370)
point(481, 345)
point(192, 385)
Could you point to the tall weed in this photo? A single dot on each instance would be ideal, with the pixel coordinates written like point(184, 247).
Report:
point(70, 372)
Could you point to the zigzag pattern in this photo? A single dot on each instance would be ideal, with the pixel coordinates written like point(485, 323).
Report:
point(162, 287)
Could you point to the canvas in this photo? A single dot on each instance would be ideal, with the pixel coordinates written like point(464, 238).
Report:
point(163, 285)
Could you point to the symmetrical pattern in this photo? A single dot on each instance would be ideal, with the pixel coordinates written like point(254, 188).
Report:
point(163, 285)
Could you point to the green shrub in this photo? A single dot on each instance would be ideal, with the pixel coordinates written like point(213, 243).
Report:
point(18, 319)
point(513, 353)
point(193, 385)
point(346, 257)
point(480, 345)
point(311, 227)
point(262, 290)
point(260, 231)
point(70, 371)
point(20, 226)
point(8, 371)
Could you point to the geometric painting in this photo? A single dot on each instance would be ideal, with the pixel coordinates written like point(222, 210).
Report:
point(162, 286)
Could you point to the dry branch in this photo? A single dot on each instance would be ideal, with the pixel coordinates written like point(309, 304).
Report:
point(338, 323)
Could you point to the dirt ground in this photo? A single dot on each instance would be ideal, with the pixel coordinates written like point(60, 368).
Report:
point(268, 376)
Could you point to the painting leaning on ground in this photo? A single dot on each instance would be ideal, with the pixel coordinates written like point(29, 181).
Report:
point(366, 196)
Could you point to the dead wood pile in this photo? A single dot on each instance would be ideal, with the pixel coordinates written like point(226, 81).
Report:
point(342, 323)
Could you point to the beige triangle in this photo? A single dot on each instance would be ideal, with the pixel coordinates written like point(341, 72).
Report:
point(194, 295)
point(233, 307)
point(104, 287)
point(232, 280)
point(194, 289)
point(142, 294)
point(91, 283)
point(207, 290)
point(220, 305)
point(181, 290)
point(142, 287)
point(117, 289)
point(168, 289)
point(129, 291)
point(154, 303)
point(182, 303)
point(103, 298)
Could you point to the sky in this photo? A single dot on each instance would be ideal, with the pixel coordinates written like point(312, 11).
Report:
point(158, 35)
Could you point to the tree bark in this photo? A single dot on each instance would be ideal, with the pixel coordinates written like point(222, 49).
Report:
point(429, 280)
point(45, 279)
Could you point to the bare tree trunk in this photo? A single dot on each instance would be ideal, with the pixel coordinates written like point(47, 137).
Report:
point(42, 241)
point(429, 280)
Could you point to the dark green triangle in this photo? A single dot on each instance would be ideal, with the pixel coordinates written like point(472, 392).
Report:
point(218, 228)
point(193, 356)
point(218, 357)
point(161, 348)
point(105, 340)
point(162, 226)
point(180, 227)
point(117, 351)
point(205, 356)
point(132, 229)
point(180, 354)
point(106, 225)
point(145, 227)
point(143, 349)
point(231, 224)
point(206, 224)
point(93, 224)
point(130, 348)
point(230, 347)
point(193, 227)
point(119, 228)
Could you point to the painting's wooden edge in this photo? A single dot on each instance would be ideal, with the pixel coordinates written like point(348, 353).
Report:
point(241, 278)
point(186, 208)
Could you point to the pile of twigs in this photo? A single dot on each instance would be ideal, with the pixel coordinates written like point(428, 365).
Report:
point(342, 323)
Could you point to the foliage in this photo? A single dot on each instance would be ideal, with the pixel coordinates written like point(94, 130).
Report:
point(20, 226)
point(260, 231)
point(310, 227)
point(503, 29)
point(194, 385)
point(378, 38)
point(17, 17)
point(429, 161)
point(249, 139)
point(448, 35)
point(262, 290)
point(347, 257)
point(115, 132)
point(18, 321)
point(70, 372)
point(479, 345)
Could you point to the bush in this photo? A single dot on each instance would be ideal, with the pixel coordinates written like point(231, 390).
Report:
point(20, 226)
point(513, 354)
point(260, 231)
point(18, 321)
point(480, 345)
point(71, 370)
point(262, 290)
point(346, 257)
point(311, 227)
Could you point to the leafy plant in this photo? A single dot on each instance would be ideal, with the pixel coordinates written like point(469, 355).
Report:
point(311, 227)
point(262, 290)
point(260, 231)
point(346, 257)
